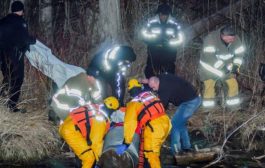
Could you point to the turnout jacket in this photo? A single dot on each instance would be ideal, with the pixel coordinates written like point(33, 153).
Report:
point(160, 34)
point(218, 58)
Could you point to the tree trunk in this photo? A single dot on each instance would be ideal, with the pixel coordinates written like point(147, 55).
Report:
point(209, 23)
point(110, 20)
point(45, 19)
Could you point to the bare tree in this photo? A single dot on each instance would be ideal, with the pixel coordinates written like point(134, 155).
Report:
point(110, 19)
point(45, 19)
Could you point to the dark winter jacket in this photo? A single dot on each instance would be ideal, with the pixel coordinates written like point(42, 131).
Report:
point(175, 90)
point(102, 65)
point(14, 33)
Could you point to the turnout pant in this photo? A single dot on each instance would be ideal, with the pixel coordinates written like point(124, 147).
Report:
point(232, 90)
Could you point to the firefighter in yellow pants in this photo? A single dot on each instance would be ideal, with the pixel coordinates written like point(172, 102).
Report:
point(145, 111)
point(221, 59)
point(84, 130)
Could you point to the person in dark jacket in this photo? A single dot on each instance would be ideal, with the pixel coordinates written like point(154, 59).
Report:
point(163, 35)
point(14, 42)
point(173, 89)
point(110, 67)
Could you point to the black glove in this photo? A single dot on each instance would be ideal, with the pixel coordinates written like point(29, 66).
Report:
point(235, 69)
point(32, 40)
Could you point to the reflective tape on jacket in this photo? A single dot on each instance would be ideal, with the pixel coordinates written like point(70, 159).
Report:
point(152, 108)
point(211, 69)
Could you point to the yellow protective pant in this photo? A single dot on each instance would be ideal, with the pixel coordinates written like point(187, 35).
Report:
point(154, 138)
point(209, 88)
point(87, 154)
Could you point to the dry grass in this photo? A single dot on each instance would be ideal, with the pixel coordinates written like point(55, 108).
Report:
point(25, 138)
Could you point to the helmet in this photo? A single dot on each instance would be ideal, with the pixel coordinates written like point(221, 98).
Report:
point(164, 8)
point(17, 6)
point(134, 83)
point(112, 103)
point(228, 30)
point(126, 53)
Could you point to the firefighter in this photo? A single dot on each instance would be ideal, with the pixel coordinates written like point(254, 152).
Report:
point(173, 89)
point(85, 127)
point(221, 58)
point(163, 35)
point(110, 67)
point(77, 91)
point(14, 42)
point(145, 111)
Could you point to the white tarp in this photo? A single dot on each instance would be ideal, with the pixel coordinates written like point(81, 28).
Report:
point(41, 57)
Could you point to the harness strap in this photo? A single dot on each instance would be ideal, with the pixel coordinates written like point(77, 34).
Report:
point(143, 112)
point(89, 149)
point(88, 128)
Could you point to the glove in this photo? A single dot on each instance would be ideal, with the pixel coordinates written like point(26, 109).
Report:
point(96, 166)
point(235, 69)
point(120, 149)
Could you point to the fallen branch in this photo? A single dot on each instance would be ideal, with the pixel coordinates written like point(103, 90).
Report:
point(258, 157)
point(221, 153)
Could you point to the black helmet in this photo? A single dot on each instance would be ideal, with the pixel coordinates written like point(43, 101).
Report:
point(17, 6)
point(228, 30)
point(164, 8)
point(126, 53)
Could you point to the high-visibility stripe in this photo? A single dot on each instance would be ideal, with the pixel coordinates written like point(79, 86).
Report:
point(148, 35)
point(225, 56)
point(209, 49)
point(156, 30)
point(239, 50)
point(233, 101)
point(178, 40)
point(218, 64)
point(208, 103)
point(238, 61)
point(211, 69)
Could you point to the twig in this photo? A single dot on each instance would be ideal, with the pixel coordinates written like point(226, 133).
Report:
point(258, 157)
point(221, 153)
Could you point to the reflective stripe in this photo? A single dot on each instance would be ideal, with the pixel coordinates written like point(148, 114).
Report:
point(225, 57)
point(170, 31)
point(97, 92)
point(238, 61)
point(154, 20)
point(211, 69)
point(208, 103)
point(148, 35)
point(105, 61)
point(233, 101)
point(99, 118)
point(178, 40)
point(172, 21)
point(209, 49)
point(113, 53)
point(71, 93)
point(229, 67)
point(218, 64)
point(156, 30)
point(239, 50)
